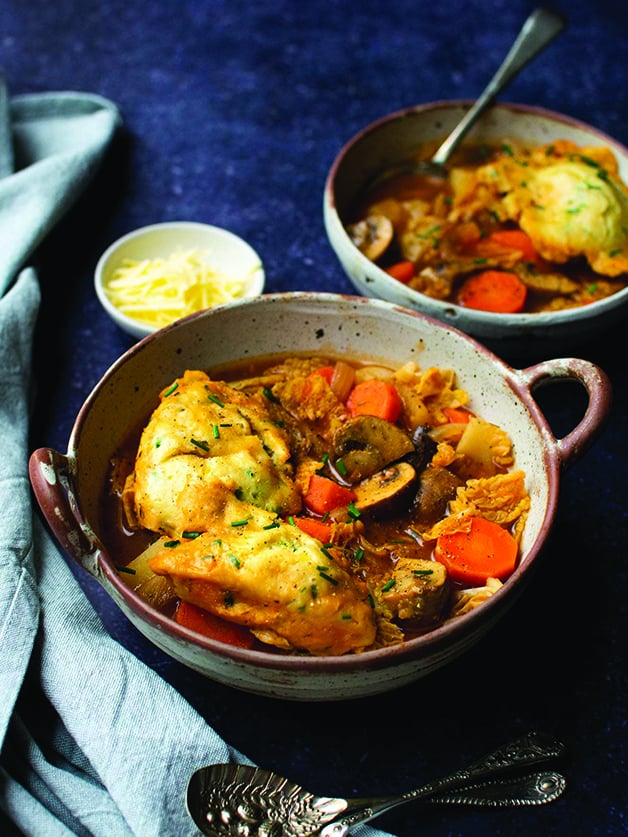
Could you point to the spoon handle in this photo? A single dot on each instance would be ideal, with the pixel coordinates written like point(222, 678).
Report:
point(532, 789)
point(473, 783)
point(541, 27)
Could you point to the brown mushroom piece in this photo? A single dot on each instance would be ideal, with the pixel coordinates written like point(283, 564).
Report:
point(386, 491)
point(372, 235)
point(424, 447)
point(437, 487)
point(416, 591)
point(366, 444)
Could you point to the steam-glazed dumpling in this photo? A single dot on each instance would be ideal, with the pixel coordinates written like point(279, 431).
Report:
point(276, 580)
point(206, 448)
point(572, 210)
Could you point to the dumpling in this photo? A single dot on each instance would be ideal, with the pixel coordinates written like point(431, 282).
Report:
point(206, 448)
point(276, 580)
point(571, 209)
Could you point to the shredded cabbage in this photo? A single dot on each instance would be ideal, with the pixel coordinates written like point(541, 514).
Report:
point(158, 291)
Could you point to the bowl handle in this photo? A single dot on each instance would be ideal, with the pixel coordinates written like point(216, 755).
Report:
point(599, 391)
point(51, 479)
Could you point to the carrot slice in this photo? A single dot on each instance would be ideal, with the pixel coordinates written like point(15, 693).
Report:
point(401, 271)
point(493, 290)
point(514, 240)
point(326, 372)
point(316, 528)
point(375, 397)
point(457, 415)
point(324, 494)
point(202, 622)
point(485, 551)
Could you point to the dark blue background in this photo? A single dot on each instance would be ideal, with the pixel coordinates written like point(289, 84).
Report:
point(233, 112)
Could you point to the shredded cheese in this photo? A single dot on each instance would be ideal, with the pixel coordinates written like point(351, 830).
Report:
point(159, 291)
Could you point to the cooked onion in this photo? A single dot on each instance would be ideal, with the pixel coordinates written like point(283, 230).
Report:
point(342, 380)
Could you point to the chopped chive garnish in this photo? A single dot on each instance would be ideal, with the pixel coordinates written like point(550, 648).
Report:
point(359, 554)
point(128, 570)
point(216, 431)
point(190, 535)
point(199, 443)
point(327, 577)
point(422, 572)
point(268, 394)
point(325, 516)
point(388, 586)
point(353, 510)
point(326, 552)
point(342, 468)
point(291, 520)
point(228, 599)
point(240, 522)
point(171, 389)
point(314, 590)
point(273, 525)
point(235, 561)
point(171, 544)
point(215, 399)
point(346, 616)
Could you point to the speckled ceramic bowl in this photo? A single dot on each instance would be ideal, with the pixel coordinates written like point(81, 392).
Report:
point(69, 486)
point(397, 137)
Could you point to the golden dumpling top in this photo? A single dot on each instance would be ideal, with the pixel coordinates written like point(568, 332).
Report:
point(570, 210)
point(209, 453)
point(570, 200)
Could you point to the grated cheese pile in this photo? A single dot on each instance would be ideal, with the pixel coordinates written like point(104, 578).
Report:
point(159, 291)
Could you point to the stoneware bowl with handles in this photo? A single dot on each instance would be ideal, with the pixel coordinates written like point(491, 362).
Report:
point(69, 486)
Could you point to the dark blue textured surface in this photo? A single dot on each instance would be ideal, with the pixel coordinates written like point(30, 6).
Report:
point(233, 112)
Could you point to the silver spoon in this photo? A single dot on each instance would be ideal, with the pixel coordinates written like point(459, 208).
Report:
point(231, 800)
point(541, 27)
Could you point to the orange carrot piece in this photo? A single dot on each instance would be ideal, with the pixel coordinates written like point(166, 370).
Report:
point(401, 271)
point(514, 240)
point(202, 622)
point(375, 397)
point(326, 372)
point(315, 528)
point(323, 495)
point(485, 551)
point(493, 290)
point(457, 415)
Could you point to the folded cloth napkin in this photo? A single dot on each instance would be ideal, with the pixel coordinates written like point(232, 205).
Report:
point(76, 755)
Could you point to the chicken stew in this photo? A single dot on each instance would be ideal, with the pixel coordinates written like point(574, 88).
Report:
point(315, 505)
point(512, 229)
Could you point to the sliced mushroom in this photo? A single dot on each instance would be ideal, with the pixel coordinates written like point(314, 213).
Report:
point(424, 447)
point(386, 491)
point(437, 487)
point(366, 444)
point(418, 593)
point(372, 235)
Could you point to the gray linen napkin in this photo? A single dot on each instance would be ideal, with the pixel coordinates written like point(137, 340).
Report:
point(76, 753)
